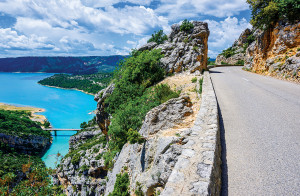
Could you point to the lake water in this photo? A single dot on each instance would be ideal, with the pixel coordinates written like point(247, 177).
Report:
point(64, 108)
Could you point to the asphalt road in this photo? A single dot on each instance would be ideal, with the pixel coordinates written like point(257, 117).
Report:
point(260, 134)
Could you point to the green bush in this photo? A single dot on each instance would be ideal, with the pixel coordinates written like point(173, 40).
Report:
point(250, 39)
point(240, 62)
point(194, 80)
point(21, 174)
point(201, 83)
point(121, 187)
point(186, 26)
point(289, 9)
point(18, 123)
point(75, 159)
point(163, 93)
point(196, 48)
point(158, 37)
point(229, 52)
point(138, 191)
point(134, 136)
point(266, 13)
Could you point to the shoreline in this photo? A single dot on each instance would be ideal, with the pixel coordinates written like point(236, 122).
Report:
point(33, 110)
point(68, 89)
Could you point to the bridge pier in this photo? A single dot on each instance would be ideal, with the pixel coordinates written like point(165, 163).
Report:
point(55, 133)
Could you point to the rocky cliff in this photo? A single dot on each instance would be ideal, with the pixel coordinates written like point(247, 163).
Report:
point(184, 51)
point(276, 52)
point(236, 53)
point(31, 144)
point(169, 130)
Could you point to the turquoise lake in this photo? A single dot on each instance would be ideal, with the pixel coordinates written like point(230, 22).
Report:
point(64, 108)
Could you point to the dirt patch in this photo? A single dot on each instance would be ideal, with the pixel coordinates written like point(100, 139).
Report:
point(185, 82)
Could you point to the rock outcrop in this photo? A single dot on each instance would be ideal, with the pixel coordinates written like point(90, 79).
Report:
point(184, 51)
point(87, 175)
point(31, 144)
point(167, 130)
point(276, 52)
point(102, 117)
point(238, 49)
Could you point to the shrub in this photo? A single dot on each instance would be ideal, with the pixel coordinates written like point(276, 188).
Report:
point(186, 26)
point(194, 80)
point(75, 159)
point(46, 124)
point(289, 9)
point(240, 62)
point(201, 83)
point(223, 63)
point(134, 136)
point(229, 52)
point(138, 191)
point(121, 187)
point(186, 40)
point(196, 48)
point(158, 37)
point(266, 13)
point(163, 93)
point(250, 39)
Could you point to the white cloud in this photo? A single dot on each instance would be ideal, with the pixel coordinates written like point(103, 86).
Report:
point(99, 27)
point(105, 3)
point(68, 14)
point(11, 40)
point(224, 33)
point(179, 9)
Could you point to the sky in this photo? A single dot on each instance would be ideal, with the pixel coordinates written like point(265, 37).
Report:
point(110, 27)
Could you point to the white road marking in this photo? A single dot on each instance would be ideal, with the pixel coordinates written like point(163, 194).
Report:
point(245, 79)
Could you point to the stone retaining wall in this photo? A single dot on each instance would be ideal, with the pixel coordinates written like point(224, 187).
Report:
point(198, 169)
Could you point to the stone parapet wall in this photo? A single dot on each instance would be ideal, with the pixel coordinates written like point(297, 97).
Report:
point(198, 169)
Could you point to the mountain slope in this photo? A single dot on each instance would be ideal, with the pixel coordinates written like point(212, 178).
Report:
point(75, 65)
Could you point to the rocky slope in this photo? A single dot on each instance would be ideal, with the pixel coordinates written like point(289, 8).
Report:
point(166, 128)
point(184, 51)
point(238, 50)
point(276, 52)
point(29, 145)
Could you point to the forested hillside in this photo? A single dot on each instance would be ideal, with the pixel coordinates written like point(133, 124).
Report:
point(91, 83)
point(22, 172)
point(75, 65)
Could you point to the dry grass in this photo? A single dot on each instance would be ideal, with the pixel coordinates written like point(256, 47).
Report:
point(183, 82)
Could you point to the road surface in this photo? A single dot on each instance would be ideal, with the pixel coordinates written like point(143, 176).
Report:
point(261, 133)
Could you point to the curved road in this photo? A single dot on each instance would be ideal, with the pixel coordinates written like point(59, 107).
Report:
point(261, 133)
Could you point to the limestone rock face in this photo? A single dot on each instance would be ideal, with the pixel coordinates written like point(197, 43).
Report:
point(184, 51)
point(151, 163)
point(276, 52)
point(102, 117)
point(238, 46)
point(29, 145)
point(87, 176)
point(166, 115)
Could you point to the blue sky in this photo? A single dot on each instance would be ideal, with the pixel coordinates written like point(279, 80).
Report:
point(109, 27)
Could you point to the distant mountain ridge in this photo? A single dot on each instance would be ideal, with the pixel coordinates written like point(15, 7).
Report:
point(74, 65)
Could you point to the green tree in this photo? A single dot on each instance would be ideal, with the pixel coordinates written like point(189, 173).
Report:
point(158, 37)
point(266, 13)
point(186, 26)
point(121, 187)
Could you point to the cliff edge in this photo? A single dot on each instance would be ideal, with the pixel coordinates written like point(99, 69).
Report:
point(276, 52)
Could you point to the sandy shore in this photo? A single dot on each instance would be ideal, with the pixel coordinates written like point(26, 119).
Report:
point(35, 117)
